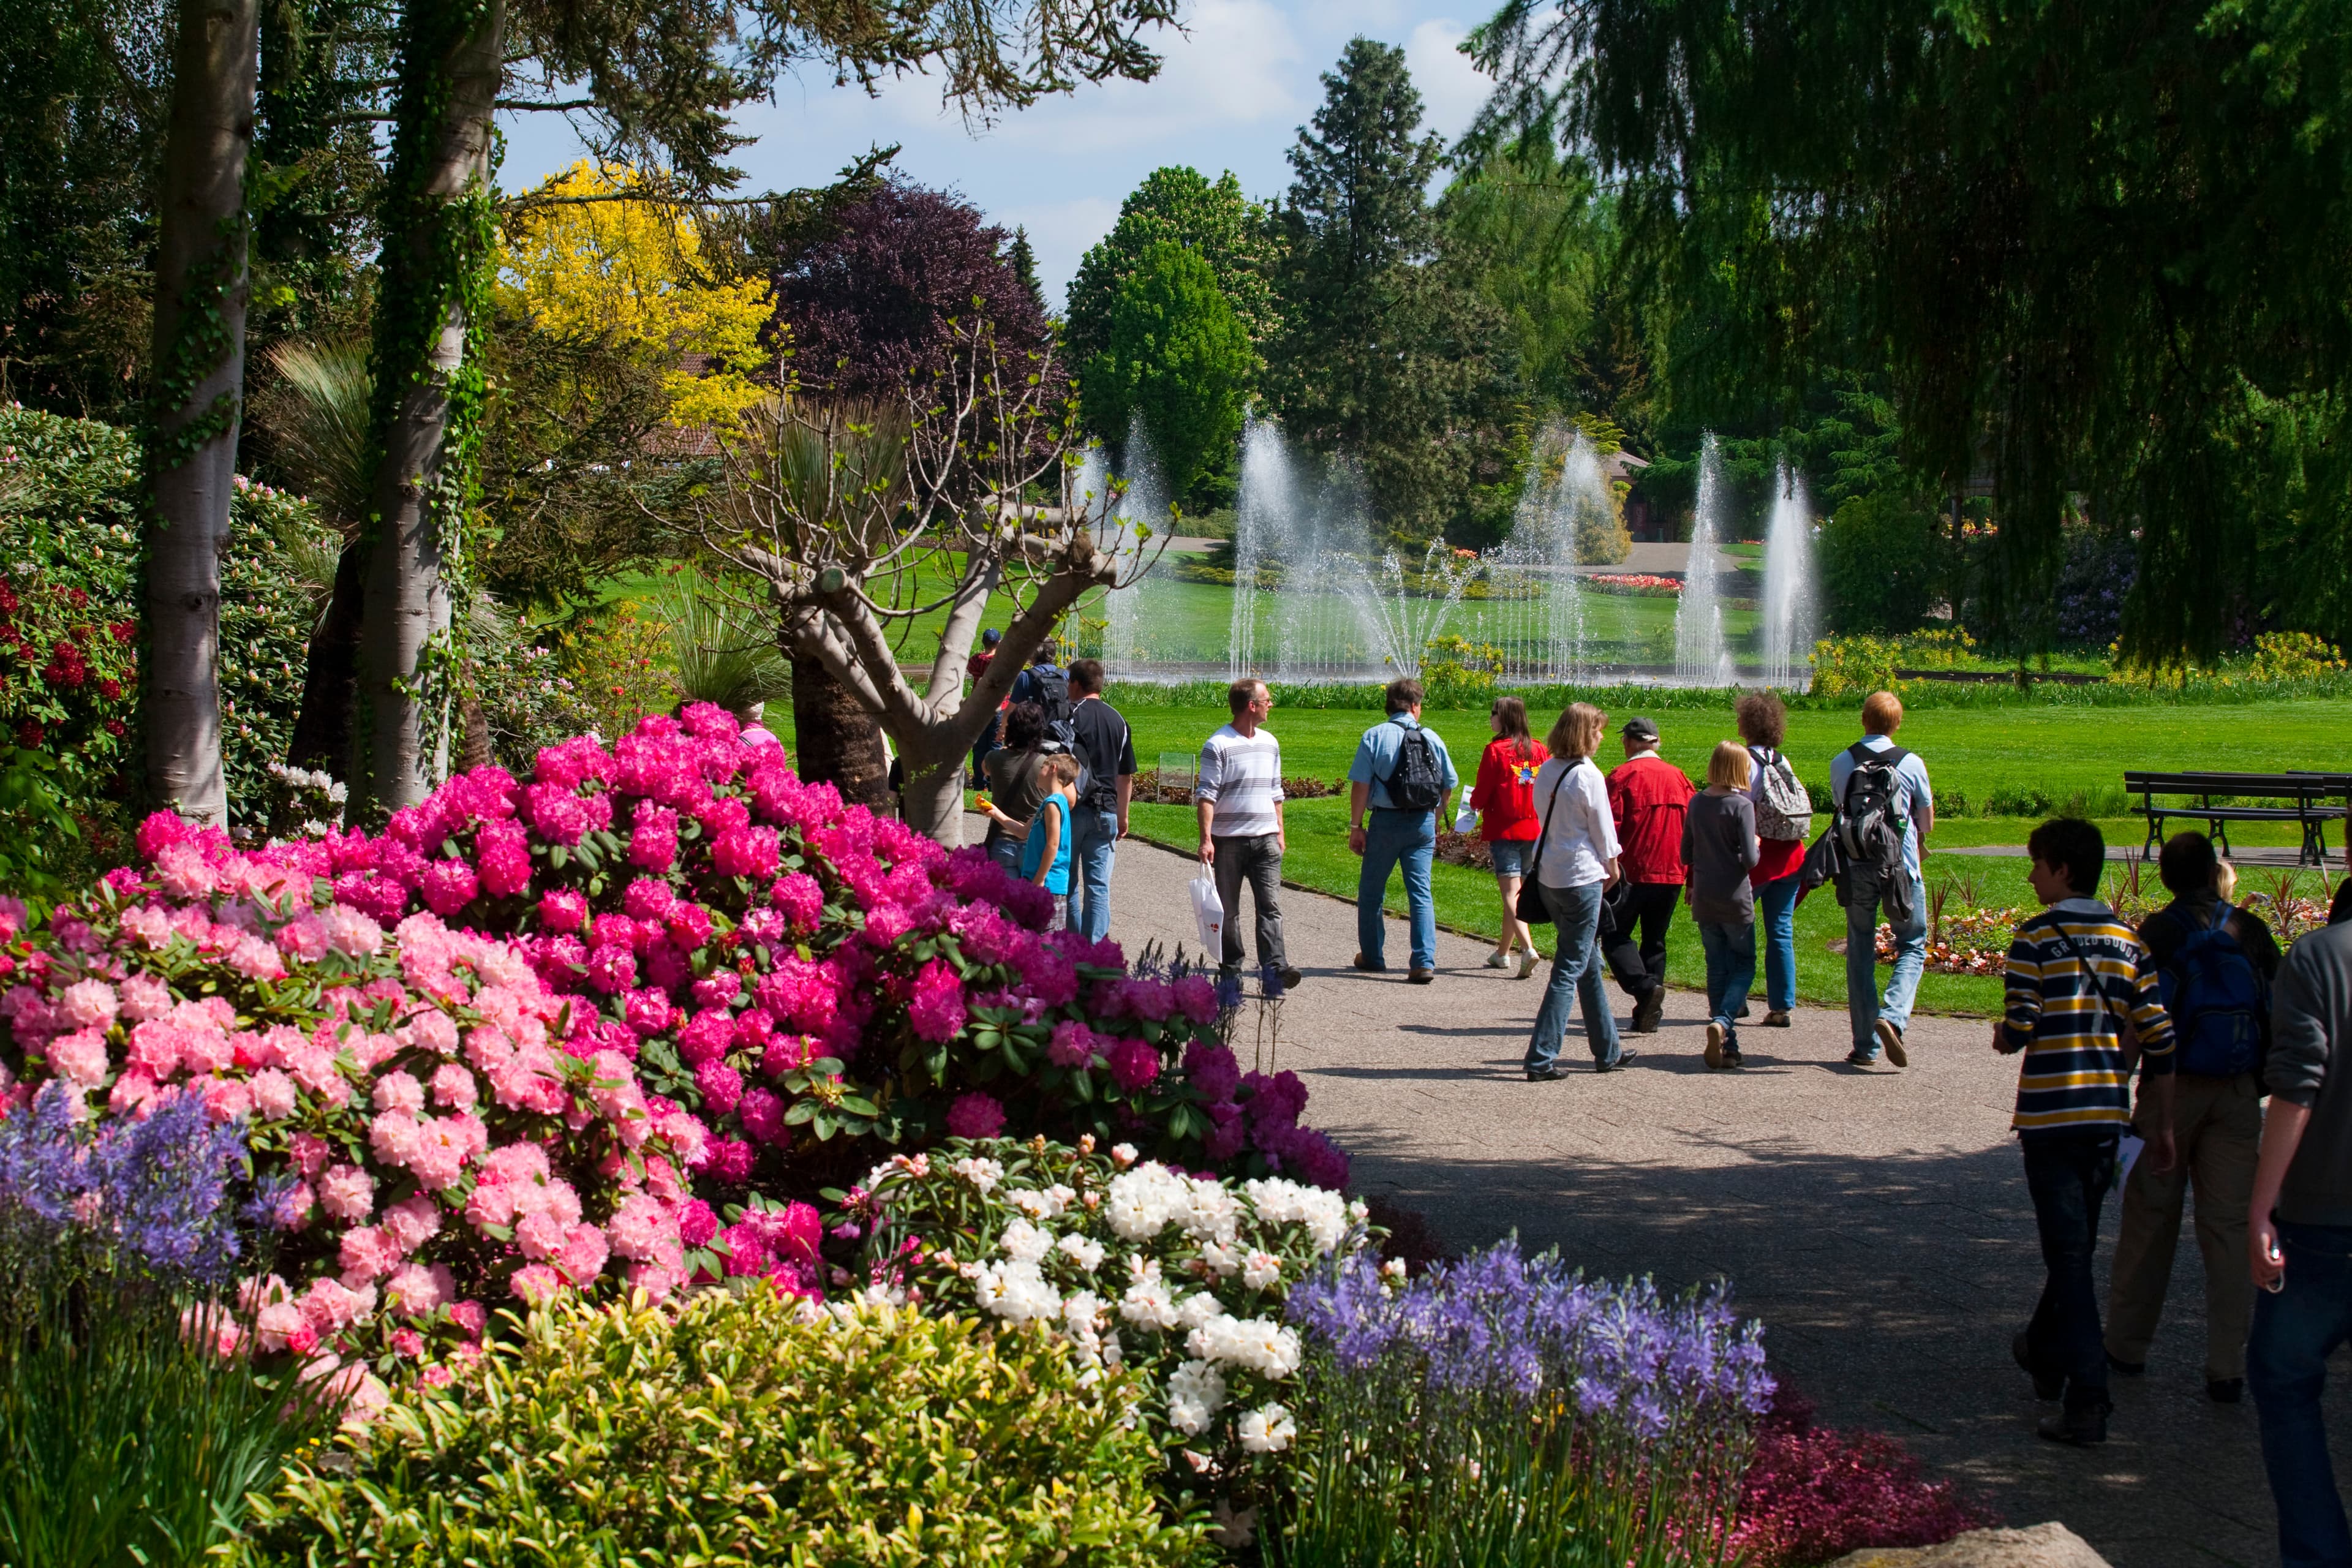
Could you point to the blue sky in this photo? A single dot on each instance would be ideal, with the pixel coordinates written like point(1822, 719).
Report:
point(1232, 91)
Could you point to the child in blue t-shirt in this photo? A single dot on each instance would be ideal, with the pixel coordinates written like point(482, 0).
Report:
point(1045, 853)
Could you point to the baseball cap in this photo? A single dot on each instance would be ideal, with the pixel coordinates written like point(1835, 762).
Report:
point(990, 637)
point(1639, 729)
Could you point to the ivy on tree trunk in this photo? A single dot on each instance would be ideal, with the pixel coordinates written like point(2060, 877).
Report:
point(200, 304)
point(431, 321)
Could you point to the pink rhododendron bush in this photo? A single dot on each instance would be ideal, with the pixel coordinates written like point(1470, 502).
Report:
point(532, 1034)
point(448, 1131)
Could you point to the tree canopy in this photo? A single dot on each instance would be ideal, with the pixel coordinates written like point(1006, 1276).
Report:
point(1178, 359)
point(2096, 248)
point(1184, 206)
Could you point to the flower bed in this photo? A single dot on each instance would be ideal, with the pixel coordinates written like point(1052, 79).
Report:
point(1632, 585)
point(754, 992)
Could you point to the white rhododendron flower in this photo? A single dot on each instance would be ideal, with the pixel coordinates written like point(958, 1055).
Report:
point(1149, 1305)
point(1324, 1214)
point(1260, 1269)
point(1268, 1430)
point(1260, 1345)
point(982, 1173)
point(1196, 1310)
point(1015, 1292)
point(1086, 1253)
point(1024, 1243)
point(1082, 1312)
point(1221, 1257)
point(1211, 1212)
point(1142, 1201)
point(1196, 1392)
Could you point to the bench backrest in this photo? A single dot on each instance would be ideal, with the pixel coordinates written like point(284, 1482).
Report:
point(2305, 785)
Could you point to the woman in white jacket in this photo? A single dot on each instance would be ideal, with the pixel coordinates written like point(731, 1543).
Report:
point(1576, 863)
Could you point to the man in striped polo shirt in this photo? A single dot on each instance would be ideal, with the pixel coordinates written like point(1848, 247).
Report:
point(1238, 794)
point(2079, 984)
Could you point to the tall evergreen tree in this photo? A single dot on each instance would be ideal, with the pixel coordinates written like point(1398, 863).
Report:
point(1384, 354)
point(1023, 259)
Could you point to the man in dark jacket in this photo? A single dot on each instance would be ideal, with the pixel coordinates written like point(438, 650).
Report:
point(2299, 1240)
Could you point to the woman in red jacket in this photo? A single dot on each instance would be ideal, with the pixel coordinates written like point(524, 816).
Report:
point(1505, 799)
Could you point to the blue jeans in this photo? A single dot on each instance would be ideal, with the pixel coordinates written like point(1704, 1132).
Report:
point(1730, 971)
point(1094, 843)
point(2286, 1367)
point(1005, 850)
point(2068, 1175)
point(1576, 972)
point(1863, 1006)
point(1776, 924)
point(1391, 838)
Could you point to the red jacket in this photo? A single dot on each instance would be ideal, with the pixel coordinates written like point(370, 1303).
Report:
point(1647, 796)
point(1505, 794)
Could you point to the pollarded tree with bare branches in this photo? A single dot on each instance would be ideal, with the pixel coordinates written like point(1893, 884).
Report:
point(864, 521)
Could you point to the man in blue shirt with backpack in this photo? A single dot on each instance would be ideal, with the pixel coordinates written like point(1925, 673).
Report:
point(1403, 777)
point(1885, 810)
point(2215, 965)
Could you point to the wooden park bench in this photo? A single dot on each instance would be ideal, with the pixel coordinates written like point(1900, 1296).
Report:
point(2310, 800)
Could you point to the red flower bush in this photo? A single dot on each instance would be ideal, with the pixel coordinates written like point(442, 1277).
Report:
point(1815, 1493)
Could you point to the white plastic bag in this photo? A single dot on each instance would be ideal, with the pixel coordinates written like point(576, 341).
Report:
point(1209, 914)
point(1465, 821)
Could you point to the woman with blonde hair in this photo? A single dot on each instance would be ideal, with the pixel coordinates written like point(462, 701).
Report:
point(1576, 861)
point(1719, 848)
point(1505, 799)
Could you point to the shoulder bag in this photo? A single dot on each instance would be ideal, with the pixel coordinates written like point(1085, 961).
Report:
point(1532, 909)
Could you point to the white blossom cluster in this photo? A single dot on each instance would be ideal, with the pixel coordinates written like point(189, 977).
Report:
point(1134, 1264)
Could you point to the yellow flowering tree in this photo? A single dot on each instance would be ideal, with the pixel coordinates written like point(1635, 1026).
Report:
point(581, 266)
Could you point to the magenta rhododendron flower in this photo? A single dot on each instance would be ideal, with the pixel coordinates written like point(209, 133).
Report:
point(936, 1010)
point(1133, 1064)
point(975, 1115)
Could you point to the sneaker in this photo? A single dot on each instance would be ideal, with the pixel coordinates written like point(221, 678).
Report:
point(1648, 1008)
point(1777, 1018)
point(2225, 1390)
point(1290, 976)
point(1861, 1058)
point(2046, 1386)
point(1498, 961)
point(1890, 1036)
point(1731, 1057)
point(1421, 976)
point(1623, 1055)
point(1370, 966)
point(1527, 964)
point(1545, 1074)
point(2083, 1428)
point(1714, 1052)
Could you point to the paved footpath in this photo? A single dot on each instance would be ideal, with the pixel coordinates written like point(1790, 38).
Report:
point(1877, 1221)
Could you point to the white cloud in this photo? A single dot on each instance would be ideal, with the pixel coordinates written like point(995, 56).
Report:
point(1452, 89)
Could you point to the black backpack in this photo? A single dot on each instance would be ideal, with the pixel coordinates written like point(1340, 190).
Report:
point(1416, 783)
point(1053, 694)
point(1868, 831)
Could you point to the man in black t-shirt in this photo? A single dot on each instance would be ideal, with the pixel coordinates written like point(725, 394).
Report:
point(1106, 748)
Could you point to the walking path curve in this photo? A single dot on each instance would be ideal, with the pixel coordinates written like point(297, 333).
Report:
point(1877, 1221)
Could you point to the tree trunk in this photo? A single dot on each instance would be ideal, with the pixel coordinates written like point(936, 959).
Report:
point(437, 219)
point(322, 731)
point(836, 740)
point(199, 366)
point(935, 797)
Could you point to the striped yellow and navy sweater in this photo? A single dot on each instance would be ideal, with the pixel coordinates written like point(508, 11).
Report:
point(2067, 1020)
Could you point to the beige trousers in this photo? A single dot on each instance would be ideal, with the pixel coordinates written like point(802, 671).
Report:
point(2217, 1126)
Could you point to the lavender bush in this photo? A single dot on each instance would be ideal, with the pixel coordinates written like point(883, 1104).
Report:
point(1504, 1410)
point(131, 1427)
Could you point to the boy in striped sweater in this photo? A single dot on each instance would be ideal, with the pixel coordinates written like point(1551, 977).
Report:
point(2081, 999)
